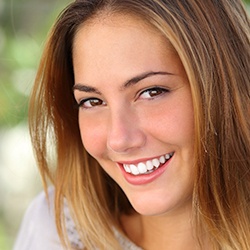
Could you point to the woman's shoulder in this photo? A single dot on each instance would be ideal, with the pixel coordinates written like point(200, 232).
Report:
point(38, 229)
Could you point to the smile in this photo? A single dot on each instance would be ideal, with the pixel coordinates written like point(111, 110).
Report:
point(147, 167)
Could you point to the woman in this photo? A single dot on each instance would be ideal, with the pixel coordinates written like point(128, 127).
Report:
point(157, 154)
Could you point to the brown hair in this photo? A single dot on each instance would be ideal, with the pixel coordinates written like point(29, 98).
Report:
point(211, 38)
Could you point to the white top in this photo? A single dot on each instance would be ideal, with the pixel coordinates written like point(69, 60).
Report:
point(38, 229)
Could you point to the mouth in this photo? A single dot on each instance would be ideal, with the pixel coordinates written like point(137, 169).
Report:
point(147, 167)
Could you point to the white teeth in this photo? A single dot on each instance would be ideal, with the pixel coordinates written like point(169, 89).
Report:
point(143, 168)
point(156, 163)
point(127, 168)
point(149, 165)
point(167, 156)
point(134, 170)
point(162, 159)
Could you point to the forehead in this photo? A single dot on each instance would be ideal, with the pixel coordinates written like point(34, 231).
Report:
point(120, 47)
point(115, 22)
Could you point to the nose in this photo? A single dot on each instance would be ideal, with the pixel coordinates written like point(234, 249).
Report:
point(125, 133)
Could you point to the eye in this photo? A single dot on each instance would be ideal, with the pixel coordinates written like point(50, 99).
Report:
point(153, 92)
point(90, 103)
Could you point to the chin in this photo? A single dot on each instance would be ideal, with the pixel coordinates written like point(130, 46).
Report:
point(151, 208)
point(156, 206)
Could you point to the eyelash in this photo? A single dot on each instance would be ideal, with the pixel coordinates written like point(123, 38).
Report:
point(82, 103)
point(157, 92)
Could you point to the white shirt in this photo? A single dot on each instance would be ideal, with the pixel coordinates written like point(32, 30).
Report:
point(38, 229)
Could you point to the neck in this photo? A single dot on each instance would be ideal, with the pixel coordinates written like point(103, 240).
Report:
point(168, 231)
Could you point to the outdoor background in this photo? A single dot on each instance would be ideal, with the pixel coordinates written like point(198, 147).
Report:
point(24, 25)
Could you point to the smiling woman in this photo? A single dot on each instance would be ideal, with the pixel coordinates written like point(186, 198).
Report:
point(160, 140)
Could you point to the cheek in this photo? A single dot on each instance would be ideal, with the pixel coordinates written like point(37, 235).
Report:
point(182, 120)
point(175, 123)
point(93, 135)
point(182, 126)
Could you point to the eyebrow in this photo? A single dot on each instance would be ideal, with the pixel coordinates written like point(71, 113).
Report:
point(85, 88)
point(131, 82)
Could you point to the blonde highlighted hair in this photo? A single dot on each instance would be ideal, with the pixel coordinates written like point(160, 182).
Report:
point(212, 39)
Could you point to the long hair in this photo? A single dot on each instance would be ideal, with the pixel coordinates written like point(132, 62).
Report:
point(212, 40)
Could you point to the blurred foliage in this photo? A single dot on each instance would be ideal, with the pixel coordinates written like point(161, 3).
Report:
point(23, 27)
point(4, 243)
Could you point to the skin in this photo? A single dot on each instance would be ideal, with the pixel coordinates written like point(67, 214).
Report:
point(128, 121)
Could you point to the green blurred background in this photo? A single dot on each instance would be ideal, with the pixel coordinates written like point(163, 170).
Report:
point(24, 25)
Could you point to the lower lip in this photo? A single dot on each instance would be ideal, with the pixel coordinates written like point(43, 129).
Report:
point(142, 179)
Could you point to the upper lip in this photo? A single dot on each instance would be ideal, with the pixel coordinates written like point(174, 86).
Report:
point(143, 159)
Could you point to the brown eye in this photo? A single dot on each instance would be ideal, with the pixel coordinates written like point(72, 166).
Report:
point(153, 92)
point(90, 103)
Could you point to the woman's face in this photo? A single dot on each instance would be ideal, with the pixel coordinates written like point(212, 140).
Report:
point(135, 111)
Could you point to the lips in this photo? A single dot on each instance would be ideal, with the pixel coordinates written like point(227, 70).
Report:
point(147, 167)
